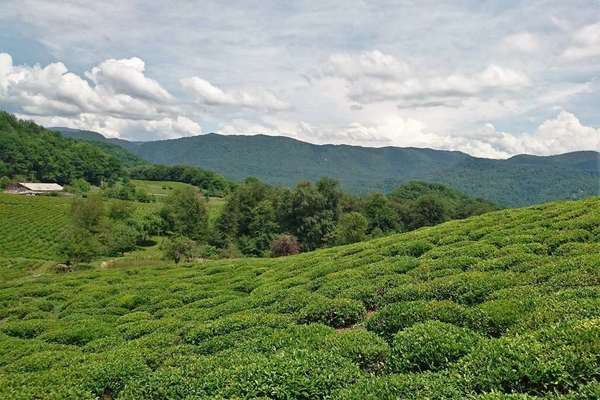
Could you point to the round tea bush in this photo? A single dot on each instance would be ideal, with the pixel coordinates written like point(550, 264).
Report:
point(337, 313)
point(556, 363)
point(365, 348)
point(395, 317)
point(430, 346)
point(504, 396)
point(404, 387)
point(298, 374)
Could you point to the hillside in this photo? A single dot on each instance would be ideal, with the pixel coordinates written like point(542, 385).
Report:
point(32, 227)
point(32, 152)
point(506, 302)
point(518, 181)
point(126, 157)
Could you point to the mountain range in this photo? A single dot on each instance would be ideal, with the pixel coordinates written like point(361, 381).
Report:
point(517, 181)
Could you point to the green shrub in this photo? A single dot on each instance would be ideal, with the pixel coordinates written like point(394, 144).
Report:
point(495, 317)
point(395, 317)
point(412, 248)
point(107, 374)
point(299, 374)
point(26, 329)
point(365, 348)
point(233, 323)
point(431, 346)
point(77, 332)
point(404, 387)
point(558, 359)
point(333, 312)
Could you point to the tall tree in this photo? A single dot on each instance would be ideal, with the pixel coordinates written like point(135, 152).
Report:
point(379, 212)
point(185, 213)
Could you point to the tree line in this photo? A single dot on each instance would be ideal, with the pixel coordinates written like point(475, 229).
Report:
point(260, 220)
point(320, 214)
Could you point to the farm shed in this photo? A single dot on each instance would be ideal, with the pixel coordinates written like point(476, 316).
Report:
point(30, 188)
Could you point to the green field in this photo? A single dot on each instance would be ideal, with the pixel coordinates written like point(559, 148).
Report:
point(507, 302)
point(159, 189)
point(32, 226)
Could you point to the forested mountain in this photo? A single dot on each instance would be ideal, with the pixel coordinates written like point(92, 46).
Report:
point(129, 159)
point(32, 152)
point(520, 180)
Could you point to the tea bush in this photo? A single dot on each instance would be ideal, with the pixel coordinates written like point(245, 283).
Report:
point(333, 312)
point(431, 345)
point(500, 306)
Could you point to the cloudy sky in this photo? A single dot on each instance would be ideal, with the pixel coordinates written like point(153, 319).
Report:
point(491, 78)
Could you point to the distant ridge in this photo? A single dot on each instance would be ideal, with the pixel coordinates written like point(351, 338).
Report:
point(517, 181)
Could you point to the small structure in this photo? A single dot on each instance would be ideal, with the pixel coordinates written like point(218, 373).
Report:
point(32, 189)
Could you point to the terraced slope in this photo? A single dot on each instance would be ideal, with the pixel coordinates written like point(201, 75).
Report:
point(507, 302)
point(31, 227)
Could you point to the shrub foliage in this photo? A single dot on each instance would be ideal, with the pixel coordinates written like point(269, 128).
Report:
point(501, 306)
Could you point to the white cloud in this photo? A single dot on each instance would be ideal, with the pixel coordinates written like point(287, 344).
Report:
point(118, 99)
point(374, 64)
point(524, 42)
point(127, 76)
point(562, 134)
point(165, 128)
point(585, 43)
point(207, 93)
point(376, 77)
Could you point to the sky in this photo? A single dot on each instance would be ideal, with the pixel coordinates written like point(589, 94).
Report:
point(490, 78)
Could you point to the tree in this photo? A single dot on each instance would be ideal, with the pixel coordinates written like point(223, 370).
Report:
point(262, 228)
point(4, 182)
point(380, 214)
point(248, 218)
point(79, 186)
point(428, 210)
point(178, 248)
point(285, 245)
point(311, 212)
point(119, 210)
point(87, 213)
point(352, 228)
point(79, 245)
point(185, 213)
point(119, 237)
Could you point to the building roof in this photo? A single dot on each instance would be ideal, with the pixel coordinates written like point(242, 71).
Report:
point(41, 187)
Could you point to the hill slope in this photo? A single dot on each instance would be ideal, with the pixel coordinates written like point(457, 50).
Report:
point(506, 302)
point(127, 158)
point(32, 227)
point(521, 180)
point(35, 153)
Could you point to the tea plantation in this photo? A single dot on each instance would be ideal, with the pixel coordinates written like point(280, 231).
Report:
point(505, 305)
point(32, 227)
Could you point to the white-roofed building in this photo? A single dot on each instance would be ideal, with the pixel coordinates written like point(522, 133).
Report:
point(32, 188)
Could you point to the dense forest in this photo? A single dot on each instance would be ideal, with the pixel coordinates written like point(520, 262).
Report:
point(29, 151)
point(33, 153)
point(517, 181)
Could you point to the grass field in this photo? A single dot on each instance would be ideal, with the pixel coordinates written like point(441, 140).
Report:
point(159, 189)
point(501, 306)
